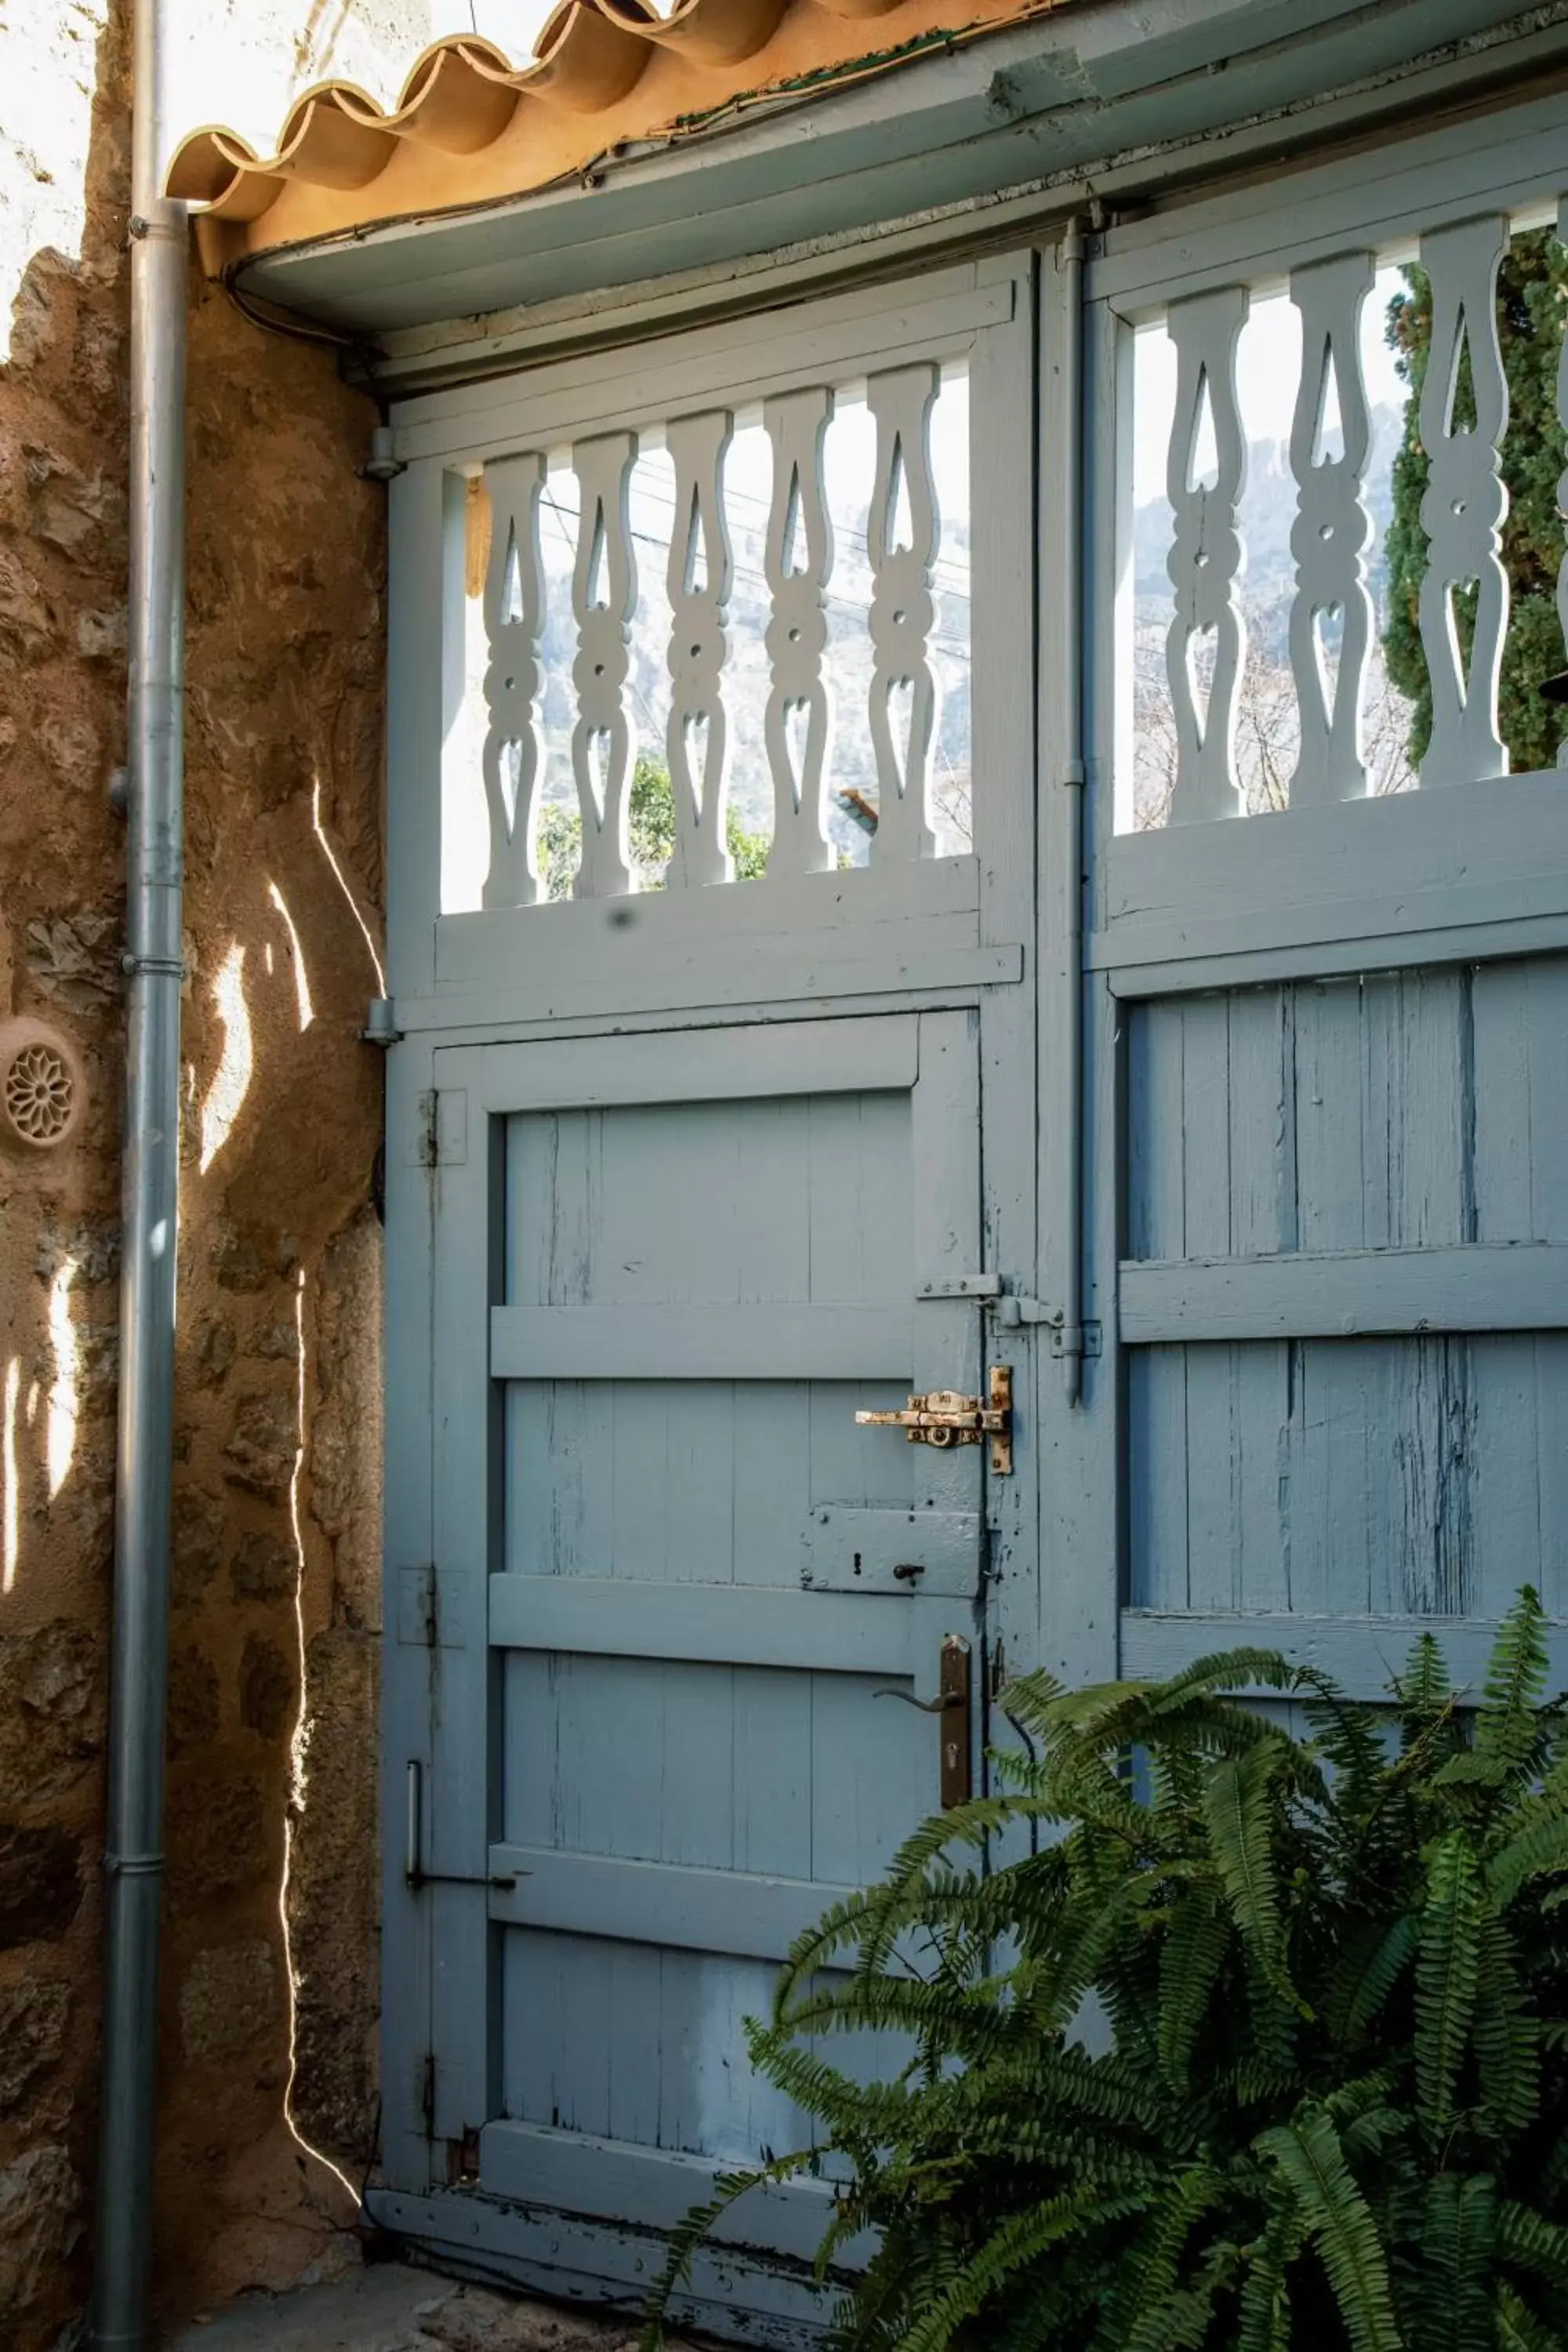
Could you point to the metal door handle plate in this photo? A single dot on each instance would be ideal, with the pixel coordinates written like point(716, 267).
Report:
point(952, 1703)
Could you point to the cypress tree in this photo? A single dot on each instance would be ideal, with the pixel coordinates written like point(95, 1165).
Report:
point(1532, 296)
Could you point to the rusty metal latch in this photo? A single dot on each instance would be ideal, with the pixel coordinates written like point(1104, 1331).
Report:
point(946, 1417)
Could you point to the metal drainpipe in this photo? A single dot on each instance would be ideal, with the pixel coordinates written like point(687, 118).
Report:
point(1072, 777)
point(149, 1172)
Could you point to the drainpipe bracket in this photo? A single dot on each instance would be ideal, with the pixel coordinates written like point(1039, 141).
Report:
point(381, 1024)
point(383, 464)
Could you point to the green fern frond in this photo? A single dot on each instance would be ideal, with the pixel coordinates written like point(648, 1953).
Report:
point(727, 2189)
point(1138, 2318)
point(1337, 2218)
point(1240, 1817)
point(1013, 2247)
point(1424, 1688)
point(1518, 2328)
point(1526, 2238)
point(1374, 1957)
point(1507, 1725)
point(1191, 1955)
point(1455, 2304)
point(1265, 2308)
point(1506, 2036)
point(1448, 1968)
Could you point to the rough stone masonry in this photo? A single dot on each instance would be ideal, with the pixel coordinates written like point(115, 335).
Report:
point(277, 1536)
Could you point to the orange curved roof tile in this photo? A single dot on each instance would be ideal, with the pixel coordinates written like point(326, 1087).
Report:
point(470, 128)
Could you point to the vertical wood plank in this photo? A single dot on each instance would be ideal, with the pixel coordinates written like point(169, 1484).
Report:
point(1156, 1110)
point(1081, 1544)
point(1504, 1145)
point(424, 693)
point(469, 1247)
point(1004, 769)
point(406, 1956)
point(1330, 1044)
point(1465, 501)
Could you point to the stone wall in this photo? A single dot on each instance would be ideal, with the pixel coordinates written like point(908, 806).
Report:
point(269, 1960)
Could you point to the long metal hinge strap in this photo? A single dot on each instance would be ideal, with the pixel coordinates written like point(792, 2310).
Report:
point(414, 1875)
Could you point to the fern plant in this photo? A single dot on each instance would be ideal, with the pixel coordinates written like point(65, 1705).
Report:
point(1212, 2038)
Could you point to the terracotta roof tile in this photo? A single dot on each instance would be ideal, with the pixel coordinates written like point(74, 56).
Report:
point(470, 128)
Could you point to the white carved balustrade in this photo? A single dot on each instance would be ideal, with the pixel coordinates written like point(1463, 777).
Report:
point(514, 743)
point(1465, 501)
point(1331, 531)
point(701, 570)
point(798, 563)
point(706, 727)
point(603, 598)
point(902, 611)
point(1205, 555)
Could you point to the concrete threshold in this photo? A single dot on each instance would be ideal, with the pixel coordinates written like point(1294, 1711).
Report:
point(390, 2307)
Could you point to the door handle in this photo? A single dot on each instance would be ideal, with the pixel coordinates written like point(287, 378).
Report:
point(952, 1705)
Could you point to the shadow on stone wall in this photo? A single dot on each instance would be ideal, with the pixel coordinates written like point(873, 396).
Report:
point(277, 1423)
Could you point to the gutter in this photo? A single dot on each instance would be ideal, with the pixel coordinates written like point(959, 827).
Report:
point(149, 1211)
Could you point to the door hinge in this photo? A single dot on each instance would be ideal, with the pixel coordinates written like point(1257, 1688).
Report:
point(427, 2092)
point(1011, 1310)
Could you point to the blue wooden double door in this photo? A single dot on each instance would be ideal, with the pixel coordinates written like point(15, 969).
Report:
point(1137, 1001)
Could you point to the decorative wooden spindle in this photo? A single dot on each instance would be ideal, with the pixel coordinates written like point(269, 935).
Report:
point(1205, 554)
point(698, 646)
point(902, 612)
point(604, 597)
point(1330, 530)
point(798, 561)
point(514, 619)
point(1465, 501)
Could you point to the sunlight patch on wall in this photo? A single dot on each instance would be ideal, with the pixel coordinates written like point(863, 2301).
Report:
point(10, 1504)
point(299, 1753)
point(59, 1435)
point(340, 878)
point(231, 1081)
point(301, 978)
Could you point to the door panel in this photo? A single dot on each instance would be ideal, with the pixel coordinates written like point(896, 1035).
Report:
point(692, 1740)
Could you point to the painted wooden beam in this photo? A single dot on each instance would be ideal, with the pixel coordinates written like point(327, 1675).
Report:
point(742, 1912)
point(1345, 1294)
point(1362, 1654)
point(761, 1342)
point(720, 1624)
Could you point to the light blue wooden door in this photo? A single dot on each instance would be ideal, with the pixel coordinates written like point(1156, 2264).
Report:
point(1326, 989)
point(685, 1172)
point(669, 1272)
